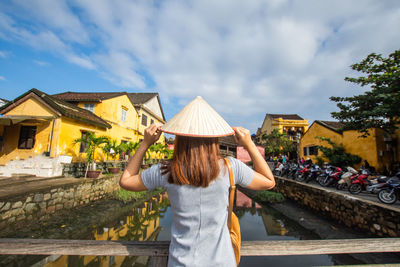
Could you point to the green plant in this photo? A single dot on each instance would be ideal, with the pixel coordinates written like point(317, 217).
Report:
point(320, 161)
point(158, 148)
point(337, 155)
point(129, 147)
point(127, 196)
point(112, 149)
point(269, 197)
point(92, 143)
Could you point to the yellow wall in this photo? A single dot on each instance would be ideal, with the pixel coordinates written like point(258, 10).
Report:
point(10, 149)
point(270, 124)
point(111, 110)
point(309, 139)
point(66, 129)
point(31, 107)
point(366, 148)
point(397, 147)
point(71, 130)
point(149, 118)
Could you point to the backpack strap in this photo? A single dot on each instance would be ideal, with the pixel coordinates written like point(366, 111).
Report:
point(231, 192)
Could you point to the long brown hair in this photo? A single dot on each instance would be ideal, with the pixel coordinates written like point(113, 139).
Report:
point(195, 161)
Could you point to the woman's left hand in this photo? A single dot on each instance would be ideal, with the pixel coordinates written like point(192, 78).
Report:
point(152, 134)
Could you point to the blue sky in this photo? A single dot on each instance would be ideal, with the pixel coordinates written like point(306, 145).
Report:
point(246, 58)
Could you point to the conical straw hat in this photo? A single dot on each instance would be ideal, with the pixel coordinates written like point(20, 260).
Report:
point(198, 119)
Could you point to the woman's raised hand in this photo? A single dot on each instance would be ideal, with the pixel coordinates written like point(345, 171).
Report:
point(242, 136)
point(152, 134)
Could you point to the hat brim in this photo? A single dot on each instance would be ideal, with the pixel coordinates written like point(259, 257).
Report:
point(196, 135)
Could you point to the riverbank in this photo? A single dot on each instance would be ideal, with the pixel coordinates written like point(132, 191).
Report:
point(306, 222)
point(23, 202)
point(88, 222)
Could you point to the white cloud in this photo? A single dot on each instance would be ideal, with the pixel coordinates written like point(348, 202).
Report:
point(3, 54)
point(41, 63)
point(55, 15)
point(2, 78)
point(246, 58)
point(44, 40)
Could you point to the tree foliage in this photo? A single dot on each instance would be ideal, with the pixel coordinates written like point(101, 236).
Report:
point(111, 148)
point(277, 143)
point(337, 155)
point(92, 143)
point(378, 108)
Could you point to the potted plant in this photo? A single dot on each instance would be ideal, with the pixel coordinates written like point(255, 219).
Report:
point(129, 147)
point(92, 143)
point(112, 149)
point(156, 149)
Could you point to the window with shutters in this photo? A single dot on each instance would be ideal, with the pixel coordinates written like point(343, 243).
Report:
point(144, 120)
point(83, 146)
point(27, 136)
point(151, 121)
point(123, 115)
point(311, 150)
point(89, 107)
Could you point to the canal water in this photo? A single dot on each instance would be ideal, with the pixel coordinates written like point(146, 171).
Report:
point(151, 220)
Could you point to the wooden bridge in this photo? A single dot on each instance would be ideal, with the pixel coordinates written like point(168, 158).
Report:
point(159, 249)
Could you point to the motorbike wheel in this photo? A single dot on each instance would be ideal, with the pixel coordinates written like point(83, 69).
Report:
point(320, 179)
point(326, 181)
point(300, 177)
point(355, 189)
point(341, 186)
point(387, 196)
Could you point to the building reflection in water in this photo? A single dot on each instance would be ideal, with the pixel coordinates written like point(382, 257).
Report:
point(142, 224)
point(245, 204)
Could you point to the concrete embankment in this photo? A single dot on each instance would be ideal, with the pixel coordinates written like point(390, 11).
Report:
point(361, 214)
point(24, 202)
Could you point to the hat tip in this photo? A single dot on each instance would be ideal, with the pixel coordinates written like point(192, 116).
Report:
point(199, 97)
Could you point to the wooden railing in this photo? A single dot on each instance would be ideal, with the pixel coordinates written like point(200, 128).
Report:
point(159, 249)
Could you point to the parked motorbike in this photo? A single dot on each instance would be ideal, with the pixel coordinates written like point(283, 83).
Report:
point(346, 178)
point(377, 184)
point(302, 174)
point(360, 182)
point(293, 169)
point(285, 170)
point(278, 169)
point(313, 173)
point(330, 177)
point(390, 190)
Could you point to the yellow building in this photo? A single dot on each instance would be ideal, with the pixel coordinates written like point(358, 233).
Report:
point(37, 123)
point(149, 108)
point(291, 124)
point(377, 149)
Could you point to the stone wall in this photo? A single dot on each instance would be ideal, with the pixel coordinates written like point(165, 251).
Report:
point(40, 205)
point(364, 215)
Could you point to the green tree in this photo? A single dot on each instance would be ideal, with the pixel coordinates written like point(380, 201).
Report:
point(337, 155)
point(129, 147)
point(277, 143)
point(111, 148)
point(378, 108)
point(92, 142)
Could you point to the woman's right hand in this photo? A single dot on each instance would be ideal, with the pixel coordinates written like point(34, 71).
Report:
point(242, 136)
point(152, 134)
